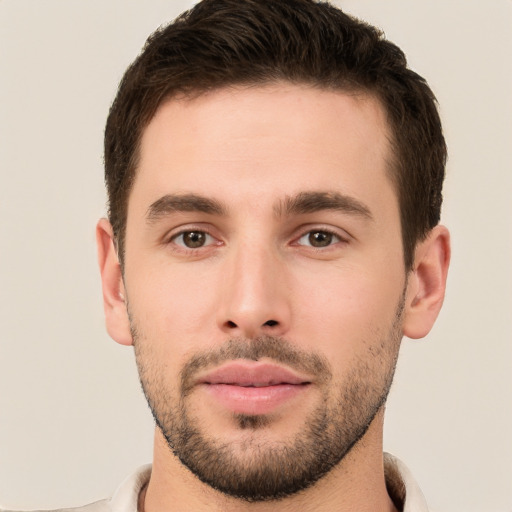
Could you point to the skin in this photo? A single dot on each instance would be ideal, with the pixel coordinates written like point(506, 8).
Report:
point(251, 149)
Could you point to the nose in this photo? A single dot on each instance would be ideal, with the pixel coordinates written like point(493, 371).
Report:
point(254, 299)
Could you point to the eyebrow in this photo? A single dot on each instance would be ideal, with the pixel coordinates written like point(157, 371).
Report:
point(311, 202)
point(175, 203)
point(300, 204)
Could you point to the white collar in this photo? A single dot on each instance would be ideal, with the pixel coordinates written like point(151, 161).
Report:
point(402, 487)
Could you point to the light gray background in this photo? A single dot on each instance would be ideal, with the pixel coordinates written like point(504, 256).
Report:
point(73, 422)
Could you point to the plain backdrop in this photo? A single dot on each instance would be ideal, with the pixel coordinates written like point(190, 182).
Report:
point(73, 422)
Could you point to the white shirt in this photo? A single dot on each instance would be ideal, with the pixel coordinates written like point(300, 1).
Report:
point(401, 487)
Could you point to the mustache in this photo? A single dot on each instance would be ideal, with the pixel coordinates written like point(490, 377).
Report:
point(274, 348)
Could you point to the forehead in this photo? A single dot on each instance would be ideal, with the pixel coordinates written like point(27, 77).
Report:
point(289, 137)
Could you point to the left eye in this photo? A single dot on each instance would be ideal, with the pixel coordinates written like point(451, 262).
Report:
point(318, 239)
point(192, 239)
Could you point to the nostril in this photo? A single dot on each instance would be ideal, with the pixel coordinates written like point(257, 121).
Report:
point(231, 324)
point(271, 323)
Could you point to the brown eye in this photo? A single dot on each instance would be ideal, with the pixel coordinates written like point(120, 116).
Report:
point(192, 239)
point(320, 238)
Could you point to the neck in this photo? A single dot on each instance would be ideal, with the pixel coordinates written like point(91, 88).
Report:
point(356, 483)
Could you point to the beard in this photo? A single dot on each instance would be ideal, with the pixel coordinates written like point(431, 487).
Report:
point(255, 469)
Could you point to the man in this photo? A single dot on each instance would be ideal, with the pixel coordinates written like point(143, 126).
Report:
point(274, 173)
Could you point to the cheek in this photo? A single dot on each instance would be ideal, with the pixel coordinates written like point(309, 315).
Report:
point(171, 304)
point(345, 312)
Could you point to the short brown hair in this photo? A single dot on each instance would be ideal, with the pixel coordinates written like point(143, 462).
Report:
point(219, 43)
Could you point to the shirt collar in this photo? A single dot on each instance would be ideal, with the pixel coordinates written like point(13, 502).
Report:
point(402, 488)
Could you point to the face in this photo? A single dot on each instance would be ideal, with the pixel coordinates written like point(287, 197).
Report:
point(265, 282)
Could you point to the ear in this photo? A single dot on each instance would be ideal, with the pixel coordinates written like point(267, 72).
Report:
point(427, 283)
point(114, 300)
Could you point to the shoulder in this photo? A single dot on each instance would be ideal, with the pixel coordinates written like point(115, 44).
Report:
point(124, 498)
point(98, 506)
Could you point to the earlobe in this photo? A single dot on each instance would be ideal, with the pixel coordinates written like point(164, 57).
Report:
point(427, 283)
point(114, 304)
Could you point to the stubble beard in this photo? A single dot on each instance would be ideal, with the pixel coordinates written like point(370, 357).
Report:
point(256, 470)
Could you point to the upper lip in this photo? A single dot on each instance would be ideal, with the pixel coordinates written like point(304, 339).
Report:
point(250, 373)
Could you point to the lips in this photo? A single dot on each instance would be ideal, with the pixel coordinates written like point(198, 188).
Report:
point(246, 387)
point(248, 374)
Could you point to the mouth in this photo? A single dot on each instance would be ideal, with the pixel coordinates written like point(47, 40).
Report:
point(253, 388)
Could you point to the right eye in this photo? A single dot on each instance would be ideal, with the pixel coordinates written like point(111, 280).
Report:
point(193, 239)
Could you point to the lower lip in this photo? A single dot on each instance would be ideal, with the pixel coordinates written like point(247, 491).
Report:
point(253, 400)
